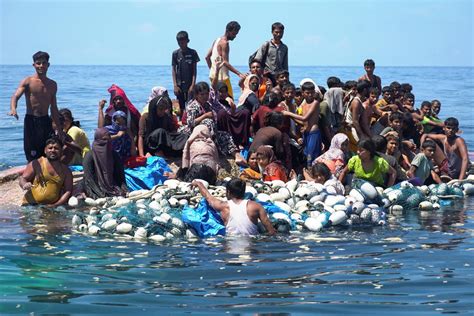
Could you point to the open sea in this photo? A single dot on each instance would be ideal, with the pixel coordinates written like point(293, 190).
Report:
point(420, 263)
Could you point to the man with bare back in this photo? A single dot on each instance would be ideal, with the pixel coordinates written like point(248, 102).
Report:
point(219, 51)
point(40, 94)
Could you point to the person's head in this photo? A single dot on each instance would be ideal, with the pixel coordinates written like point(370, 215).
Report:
point(373, 95)
point(271, 100)
point(119, 103)
point(340, 141)
point(41, 62)
point(425, 107)
point(232, 29)
point(351, 87)
point(265, 156)
point(396, 89)
point(363, 87)
point(435, 107)
point(277, 31)
point(101, 135)
point(408, 100)
point(288, 92)
point(395, 120)
point(159, 106)
point(273, 119)
point(252, 160)
point(366, 149)
point(201, 92)
point(369, 66)
point(53, 149)
point(334, 82)
point(406, 88)
point(428, 147)
point(254, 83)
point(392, 144)
point(309, 92)
point(380, 143)
point(322, 91)
point(235, 189)
point(298, 96)
point(200, 171)
point(451, 127)
point(223, 90)
point(65, 117)
point(282, 77)
point(320, 172)
point(256, 67)
point(120, 118)
point(387, 94)
point(182, 38)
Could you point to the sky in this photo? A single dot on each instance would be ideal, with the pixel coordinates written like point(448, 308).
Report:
point(322, 33)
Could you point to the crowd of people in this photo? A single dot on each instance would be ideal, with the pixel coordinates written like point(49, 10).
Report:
point(273, 128)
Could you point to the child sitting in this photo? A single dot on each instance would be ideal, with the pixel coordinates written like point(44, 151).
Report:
point(320, 173)
point(270, 168)
point(421, 166)
point(366, 165)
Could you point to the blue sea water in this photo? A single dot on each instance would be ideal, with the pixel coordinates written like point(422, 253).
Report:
point(420, 263)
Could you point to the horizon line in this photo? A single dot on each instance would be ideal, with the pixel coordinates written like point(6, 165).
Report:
point(322, 66)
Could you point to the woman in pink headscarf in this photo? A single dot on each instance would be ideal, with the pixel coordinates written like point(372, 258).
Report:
point(119, 102)
point(249, 99)
point(334, 158)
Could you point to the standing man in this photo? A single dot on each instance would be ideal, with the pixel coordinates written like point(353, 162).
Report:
point(183, 62)
point(274, 54)
point(219, 51)
point(40, 94)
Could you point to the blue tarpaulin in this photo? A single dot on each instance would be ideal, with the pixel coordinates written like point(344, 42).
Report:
point(146, 177)
point(204, 219)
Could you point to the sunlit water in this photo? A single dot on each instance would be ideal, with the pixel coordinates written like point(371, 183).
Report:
point(420, 263)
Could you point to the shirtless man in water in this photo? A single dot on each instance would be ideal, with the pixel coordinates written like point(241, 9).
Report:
point(40, 92)
point(219, 51)
point(240, 216)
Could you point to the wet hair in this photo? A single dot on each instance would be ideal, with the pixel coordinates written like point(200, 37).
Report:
point(232, 26)
point(387, 89)
point(271, 99)
point(452, 122)
point(362, 85)
point(395, 116)
point(409, 95)
point(406, 87)
point(395, 85)
point(333, 82)
point(197, 171)
point(65, 113)
point(41, 55)
point(235, 188)
point(278, 25)
point(428, 144)
point(369, 62)
point(201, 87)
point(350, 84)
point(274, 119)
point(308, 86)
point(281, 72)
point(54, 140)
point(288, 86)
point(182, 35)
point(256, 61)
point(368, 145)
point(380, 143)
point(320, 168)
point(425, 104)
point(374, 90)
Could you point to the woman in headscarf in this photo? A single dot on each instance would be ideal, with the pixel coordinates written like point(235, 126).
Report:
point(248, 99)
point(335, 157)
point(157, 91)
point(270, 168)
point(103, 171)
point(157, 134)
point(121, 138)
point(199, 112)
point(119, 102)
point(252, 172)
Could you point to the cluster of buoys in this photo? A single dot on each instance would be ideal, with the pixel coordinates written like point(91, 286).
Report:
point(304, 206)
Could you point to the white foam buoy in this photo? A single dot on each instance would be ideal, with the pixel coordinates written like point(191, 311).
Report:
point(76, 220)
point(124, 228)
point(368, 190)
point(109, 225)
point(171, 183)
point(337, 217)
point(157, 238)
point(73, 201)
point(283, 206)
point(93, 230)
point(425, 206)
point(357, 195)
point(140, 233)
point(313, 224)
point(90, 202)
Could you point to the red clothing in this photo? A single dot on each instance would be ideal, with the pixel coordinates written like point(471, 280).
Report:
point(258, 118)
